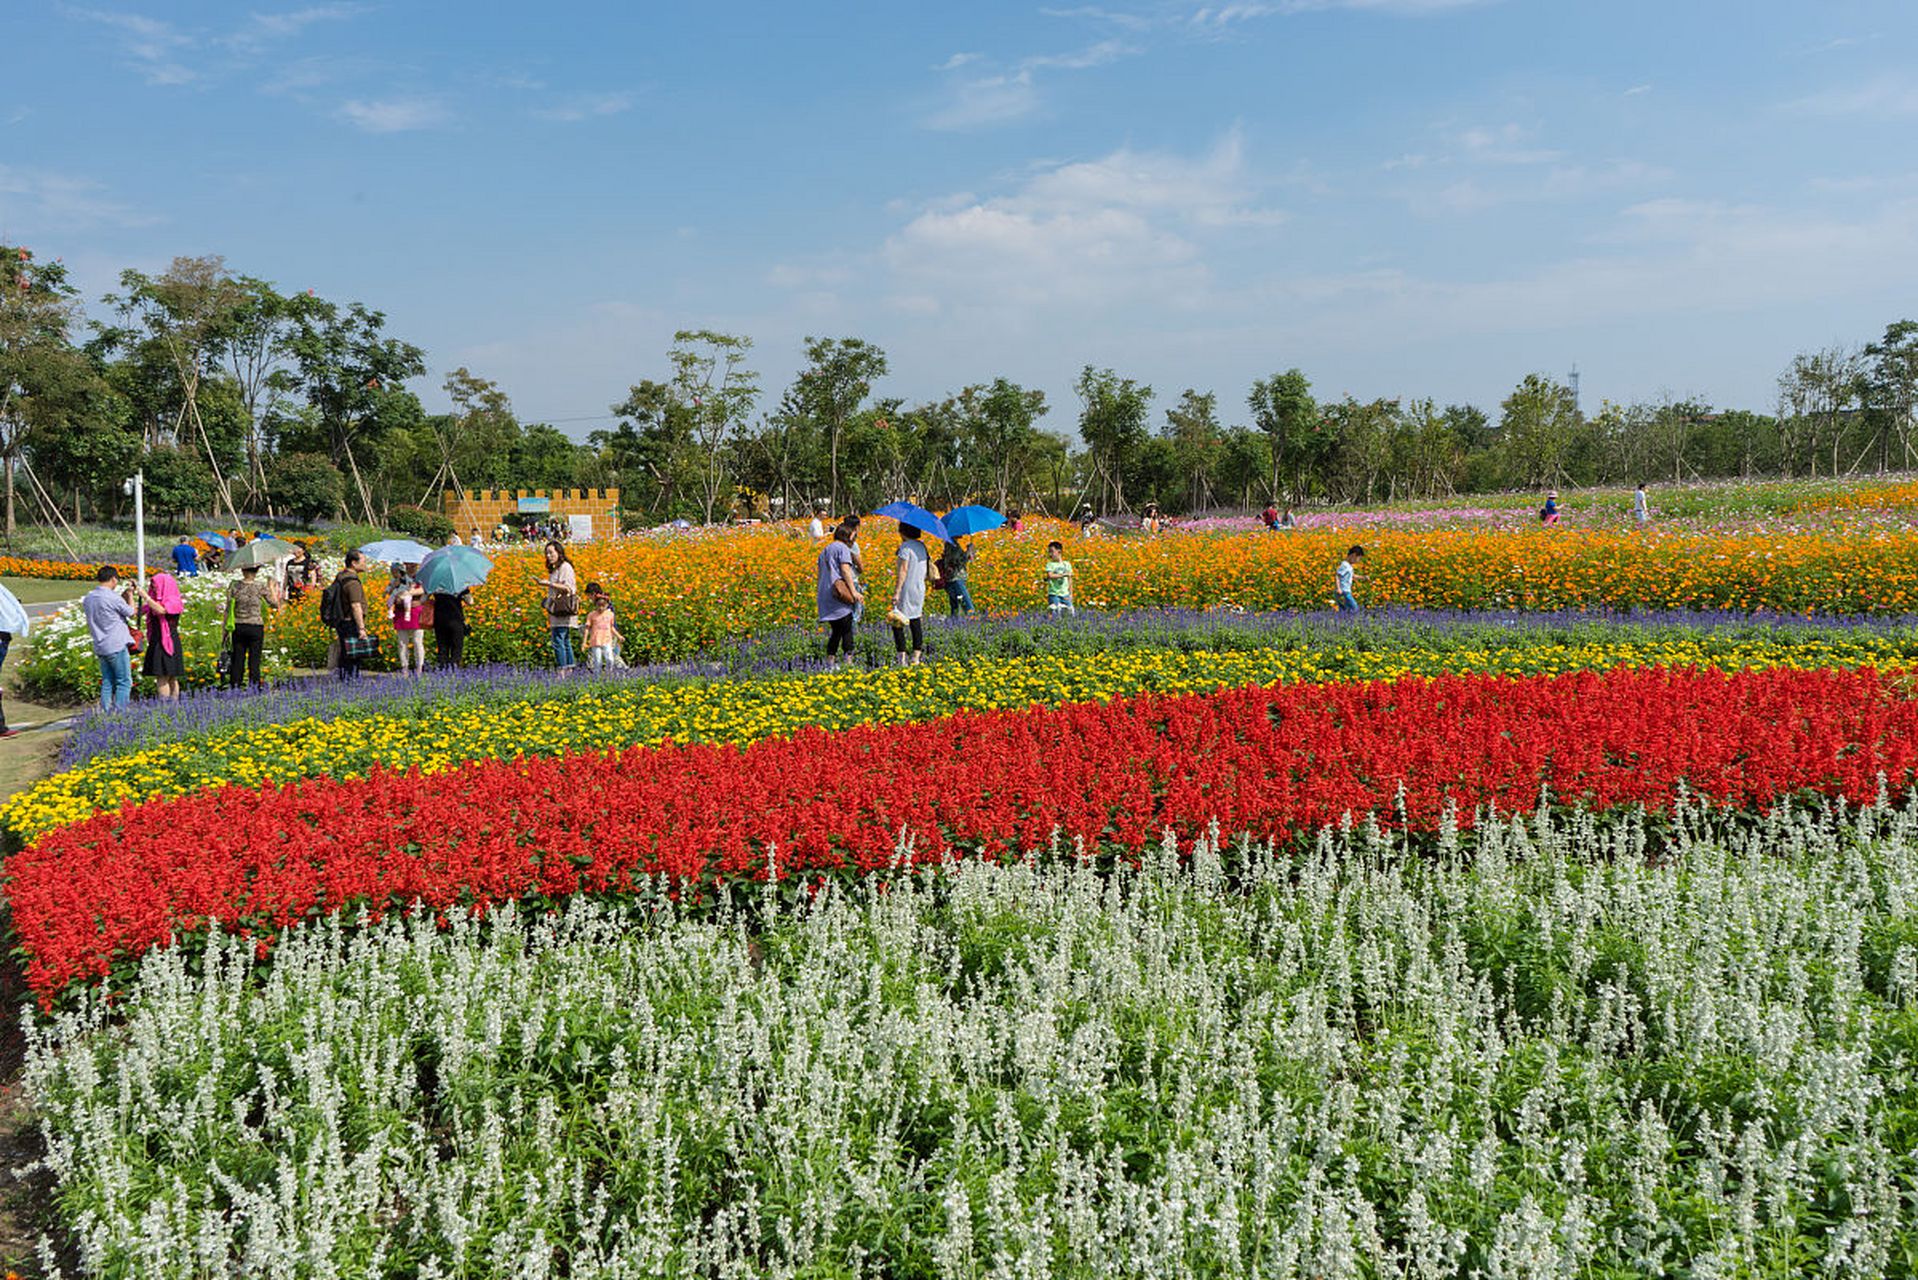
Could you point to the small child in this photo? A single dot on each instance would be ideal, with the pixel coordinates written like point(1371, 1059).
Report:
point(602, 637)
point(1058, 580)
point(1343, 580)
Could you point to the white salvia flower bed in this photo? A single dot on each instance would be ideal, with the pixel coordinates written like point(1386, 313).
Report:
point(1554, 1055)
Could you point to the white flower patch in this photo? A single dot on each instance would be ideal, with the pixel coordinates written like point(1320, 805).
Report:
point(1528, 1051)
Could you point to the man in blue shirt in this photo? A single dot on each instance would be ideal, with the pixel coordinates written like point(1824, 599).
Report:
point(186, 561)
point(108, 618)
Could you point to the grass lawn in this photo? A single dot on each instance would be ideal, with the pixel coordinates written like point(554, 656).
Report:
point(43, 590)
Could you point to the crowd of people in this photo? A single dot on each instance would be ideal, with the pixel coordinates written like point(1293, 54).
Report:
point(129, 621)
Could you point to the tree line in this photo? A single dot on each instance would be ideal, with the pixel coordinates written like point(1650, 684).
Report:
point(239, 400)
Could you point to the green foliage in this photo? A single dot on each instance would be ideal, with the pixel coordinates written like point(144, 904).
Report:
point(178, 482)
point(431, 527)
point(306, 486)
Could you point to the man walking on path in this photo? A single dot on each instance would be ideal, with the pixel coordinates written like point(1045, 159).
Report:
point(1641, 506)
point(1347, 602)
point(186, 561)
point(109, 621)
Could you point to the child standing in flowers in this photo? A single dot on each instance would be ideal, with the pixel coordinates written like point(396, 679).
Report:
point(1347, 602)
point(602, 631)
point(1058, 580)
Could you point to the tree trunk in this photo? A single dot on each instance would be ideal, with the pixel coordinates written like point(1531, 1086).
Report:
point(9, 499)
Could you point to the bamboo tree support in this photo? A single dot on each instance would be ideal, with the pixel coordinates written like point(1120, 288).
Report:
point(366, 497)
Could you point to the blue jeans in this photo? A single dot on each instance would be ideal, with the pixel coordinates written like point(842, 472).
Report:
point(959, 598)
point(1346, 603)
point(116, 680)
point(562, 646)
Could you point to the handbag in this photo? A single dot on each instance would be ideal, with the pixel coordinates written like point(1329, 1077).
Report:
point(426, 612)
point(357, 647)
point(843, 592)
point(224, 663)
point(561, 603)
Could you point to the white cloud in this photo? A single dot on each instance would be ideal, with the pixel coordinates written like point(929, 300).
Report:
point(157, 48)
point(40, 201)
point(590, 106)
point(264, 29)
point(1129, 225)
point(394, 115)
point(1887, 97)
point(986, 100)
point(1635, 90)
point(999, 97)
point(1218, 17)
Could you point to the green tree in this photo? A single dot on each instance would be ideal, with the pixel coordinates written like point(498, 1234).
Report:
point(1537, 430)
point(1000, 435)
point(476, 444)
point(351, 375)
point(178, 481)
point(717, 390)
point(1112, 421)
point(1192, 427)
point(1892, 385)
point(652, 444)
point(832, 389)
point(44, 378)
point(1283, 408)
point(307, 486)
point(189, 312)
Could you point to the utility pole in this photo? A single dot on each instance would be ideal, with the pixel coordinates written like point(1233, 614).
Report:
point(1574, 382)
point(137, 488)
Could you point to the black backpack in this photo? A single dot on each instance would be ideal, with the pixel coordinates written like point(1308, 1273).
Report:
point(332, 607)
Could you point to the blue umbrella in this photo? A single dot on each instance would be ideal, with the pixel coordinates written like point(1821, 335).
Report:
point(918, 517)
point(219, 540)
point(13, 616)
point(396, 551)
point(451, 570)
point(966, 521)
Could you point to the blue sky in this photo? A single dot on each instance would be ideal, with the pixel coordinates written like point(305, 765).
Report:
point(1402, 197)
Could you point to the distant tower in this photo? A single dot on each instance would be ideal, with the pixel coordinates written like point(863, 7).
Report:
point(1574, 382)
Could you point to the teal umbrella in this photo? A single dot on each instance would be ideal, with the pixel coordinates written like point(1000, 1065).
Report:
point(451, 570)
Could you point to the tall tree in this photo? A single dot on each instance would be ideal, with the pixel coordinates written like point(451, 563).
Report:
point(1815, 395)
point(1283, 408)
point(189, 312)
point(718, 391)
point(1537, 430)
point(351, 374)
point(256, 360)
point(1192, 426)
point(1112, 422)
point(1892, 381)
point(832, 389)
point(44, 378)
point(1001, 437)
point(476, 445)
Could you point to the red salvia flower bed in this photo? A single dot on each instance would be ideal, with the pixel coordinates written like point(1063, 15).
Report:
point(1268, 762)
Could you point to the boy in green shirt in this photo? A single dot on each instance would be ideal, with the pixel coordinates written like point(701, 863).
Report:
point(1058, 580)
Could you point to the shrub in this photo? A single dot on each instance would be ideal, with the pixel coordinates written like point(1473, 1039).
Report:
point(306, 486)
point(177, 482)
point(430, 527)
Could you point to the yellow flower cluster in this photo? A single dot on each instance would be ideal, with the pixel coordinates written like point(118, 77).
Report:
point(677, 595)
point(587, 717)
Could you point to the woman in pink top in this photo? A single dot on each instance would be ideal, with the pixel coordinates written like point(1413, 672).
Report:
point(406, 601)
point(166, 653)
